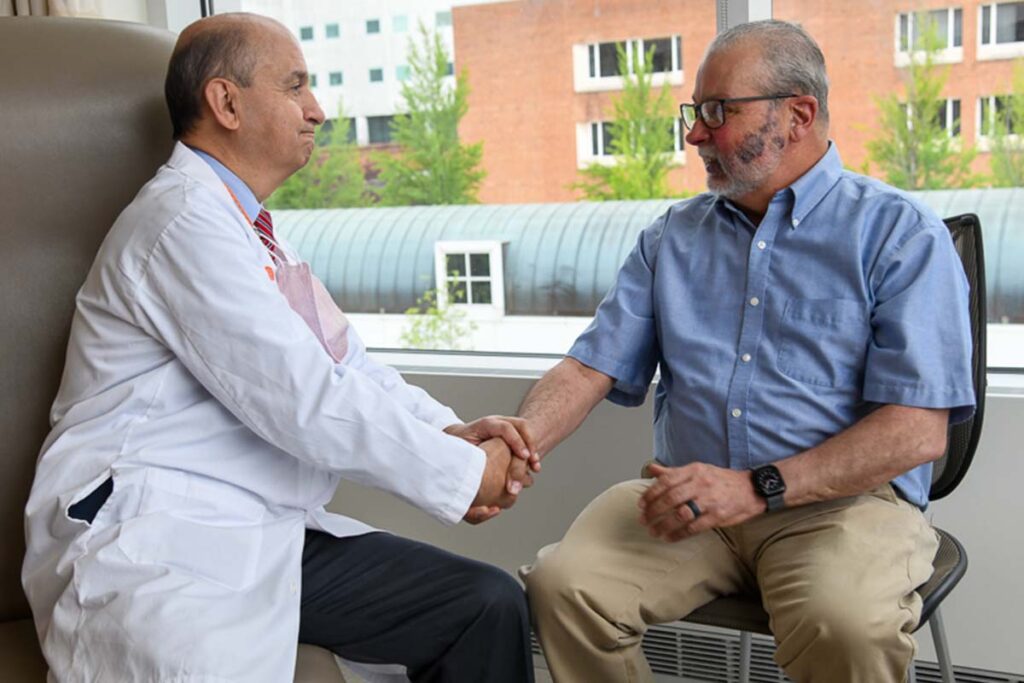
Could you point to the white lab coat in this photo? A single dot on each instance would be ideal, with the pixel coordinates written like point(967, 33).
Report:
point(226, 428)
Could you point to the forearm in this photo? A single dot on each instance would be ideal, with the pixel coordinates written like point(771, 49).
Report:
point(558, 403)
point(888, 442)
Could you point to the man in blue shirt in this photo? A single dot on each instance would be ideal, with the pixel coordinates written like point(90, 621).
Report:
point(811, 330)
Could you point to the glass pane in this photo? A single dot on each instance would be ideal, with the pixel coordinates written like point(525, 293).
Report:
point(986, 117)
point(400, 24)
point(351, 137)
point(455, 264)
point(609, 59)
point(457, 291)
point(336, 78)
point(379, 128)
point(312, 80)
point(402, 72)
point(595, 148)
point(1010, 22)
point(679, 53)
point(479, 265)
point(955, 115)
point(306, 33)
point(606, 138)
point(481, 292)
point(376, 75)
point(332, 31)
point(958, 28)
point(904, 32)
point(444, 19)
point(986, 25)
point(661, 60)
point(592, 58)
point(938, 22)
point(373, 26)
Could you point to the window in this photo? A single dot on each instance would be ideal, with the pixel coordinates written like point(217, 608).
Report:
point(402, 72)
point(443, 19)
point(471, 273)
point(312, 80)
point(1001, 31)
point(376, 75)
point(373, 25)
point(379, 128)
point(601, 136)
point(949, 117)
point(993, 109)
point(335, 78)
point(327, 131)
point(596, 66)
point(947, 25)
point(449, 69)
point(331, 31)
point(400, 23)
point(306, 33)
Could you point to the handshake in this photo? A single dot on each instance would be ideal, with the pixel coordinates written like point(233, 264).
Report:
point(512, 459)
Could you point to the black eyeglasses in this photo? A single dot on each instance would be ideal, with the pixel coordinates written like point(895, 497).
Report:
point(712, 112)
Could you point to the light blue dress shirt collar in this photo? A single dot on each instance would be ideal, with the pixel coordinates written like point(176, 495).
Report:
point(245, 196)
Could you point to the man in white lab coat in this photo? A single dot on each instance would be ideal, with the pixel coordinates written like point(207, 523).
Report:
point(212, 399)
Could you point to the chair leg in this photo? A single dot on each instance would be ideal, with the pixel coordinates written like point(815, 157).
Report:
point(745, 648)
point(941, 647)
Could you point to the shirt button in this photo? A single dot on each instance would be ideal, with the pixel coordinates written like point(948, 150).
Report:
point(293, 587)
point(796, 222)
point(755, 301)
point(745, 358)
point(762, 244)
point(736, 412)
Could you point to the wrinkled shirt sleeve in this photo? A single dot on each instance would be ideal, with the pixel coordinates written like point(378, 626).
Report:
point(919, 353)
point(622, 341)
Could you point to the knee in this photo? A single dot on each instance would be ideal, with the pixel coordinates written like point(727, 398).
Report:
point(497, 594)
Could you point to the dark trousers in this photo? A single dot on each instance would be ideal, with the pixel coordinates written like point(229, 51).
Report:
point(383, 599)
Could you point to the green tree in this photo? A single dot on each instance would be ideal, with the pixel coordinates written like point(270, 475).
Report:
point(432, 324)
point(912, 150)
point(432, 166)
point(333, 178)
point(1007, 147)
point(642, 137)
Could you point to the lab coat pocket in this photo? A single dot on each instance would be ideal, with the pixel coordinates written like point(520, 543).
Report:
point(197, 539)
point(824, 341)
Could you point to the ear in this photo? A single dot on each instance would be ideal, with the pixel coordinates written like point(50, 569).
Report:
point(221, 97)
point(803, 112)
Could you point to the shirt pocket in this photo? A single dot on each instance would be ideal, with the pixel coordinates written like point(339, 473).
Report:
point(196, 538)
point(824, 341)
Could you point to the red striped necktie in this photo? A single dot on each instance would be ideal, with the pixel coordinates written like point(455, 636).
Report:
point(265, 229)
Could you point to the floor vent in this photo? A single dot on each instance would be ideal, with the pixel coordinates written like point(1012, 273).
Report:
point(702, 653)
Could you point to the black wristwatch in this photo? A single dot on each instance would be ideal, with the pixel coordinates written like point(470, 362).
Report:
point(769, 485)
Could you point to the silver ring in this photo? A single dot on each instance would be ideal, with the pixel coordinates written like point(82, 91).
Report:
point(693, 508)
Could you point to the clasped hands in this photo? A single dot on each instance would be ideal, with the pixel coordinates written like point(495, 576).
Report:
point(512, 459)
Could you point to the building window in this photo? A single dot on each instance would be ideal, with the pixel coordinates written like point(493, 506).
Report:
point(373, 25)
point(949, 117)
point(946, 23)
point(376, 75)
point(995, 108)
point(471, 274)
point(402, 72)
point(312, 80)
point(601, 136)
point(327, 131)
point(443, 19)
point(335, 78)
point(449, 69)
point(596, 65)
point(306, 33)
point(400, 23)
point(332, 31)
point(1001, 31)
point(379, 129)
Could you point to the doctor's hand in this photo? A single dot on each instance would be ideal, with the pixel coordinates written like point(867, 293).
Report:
point(684, 501)
point(513, 430)
point(494, 493)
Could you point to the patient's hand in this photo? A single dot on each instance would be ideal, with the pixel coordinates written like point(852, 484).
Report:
point(504, 478)
point(513, 430)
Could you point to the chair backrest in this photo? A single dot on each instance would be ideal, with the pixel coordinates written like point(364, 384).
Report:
point(84, 125)
point(963, 437)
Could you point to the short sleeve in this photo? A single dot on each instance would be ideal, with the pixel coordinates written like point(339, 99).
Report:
point(621, 340)
point(920, 351)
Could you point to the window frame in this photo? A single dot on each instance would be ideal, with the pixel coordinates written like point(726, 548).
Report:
point(585, 155)
point(585, 82)
point(495, 250)
point(951, 54)
point(993, 50)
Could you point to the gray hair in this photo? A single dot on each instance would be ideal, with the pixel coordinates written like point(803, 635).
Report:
point(791, 60)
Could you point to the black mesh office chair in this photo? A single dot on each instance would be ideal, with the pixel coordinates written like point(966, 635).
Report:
point(744, 612)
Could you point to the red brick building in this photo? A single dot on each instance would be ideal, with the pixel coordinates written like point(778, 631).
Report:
point(542, 83)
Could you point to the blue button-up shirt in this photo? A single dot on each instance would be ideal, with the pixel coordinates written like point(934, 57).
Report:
point(772, 338)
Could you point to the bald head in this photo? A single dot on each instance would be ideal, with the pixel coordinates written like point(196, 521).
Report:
point(222, 46)
point(789, 61)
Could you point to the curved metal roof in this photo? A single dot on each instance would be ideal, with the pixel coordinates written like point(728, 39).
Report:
point(560, 259)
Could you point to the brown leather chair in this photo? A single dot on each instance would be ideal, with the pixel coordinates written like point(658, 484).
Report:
point(82, 126)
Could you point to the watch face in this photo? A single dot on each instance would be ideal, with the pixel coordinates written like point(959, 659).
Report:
point(769, 481)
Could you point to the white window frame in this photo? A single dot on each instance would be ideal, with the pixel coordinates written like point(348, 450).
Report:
point(495, 251)
point(585, 150)
point(947, 55)
point(995, 50)
point(984, 142)
point(584, 82)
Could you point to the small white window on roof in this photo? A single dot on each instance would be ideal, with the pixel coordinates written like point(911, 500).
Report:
point(471, 274)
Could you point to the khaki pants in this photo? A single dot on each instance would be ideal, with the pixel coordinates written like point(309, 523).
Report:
point(837, 579)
